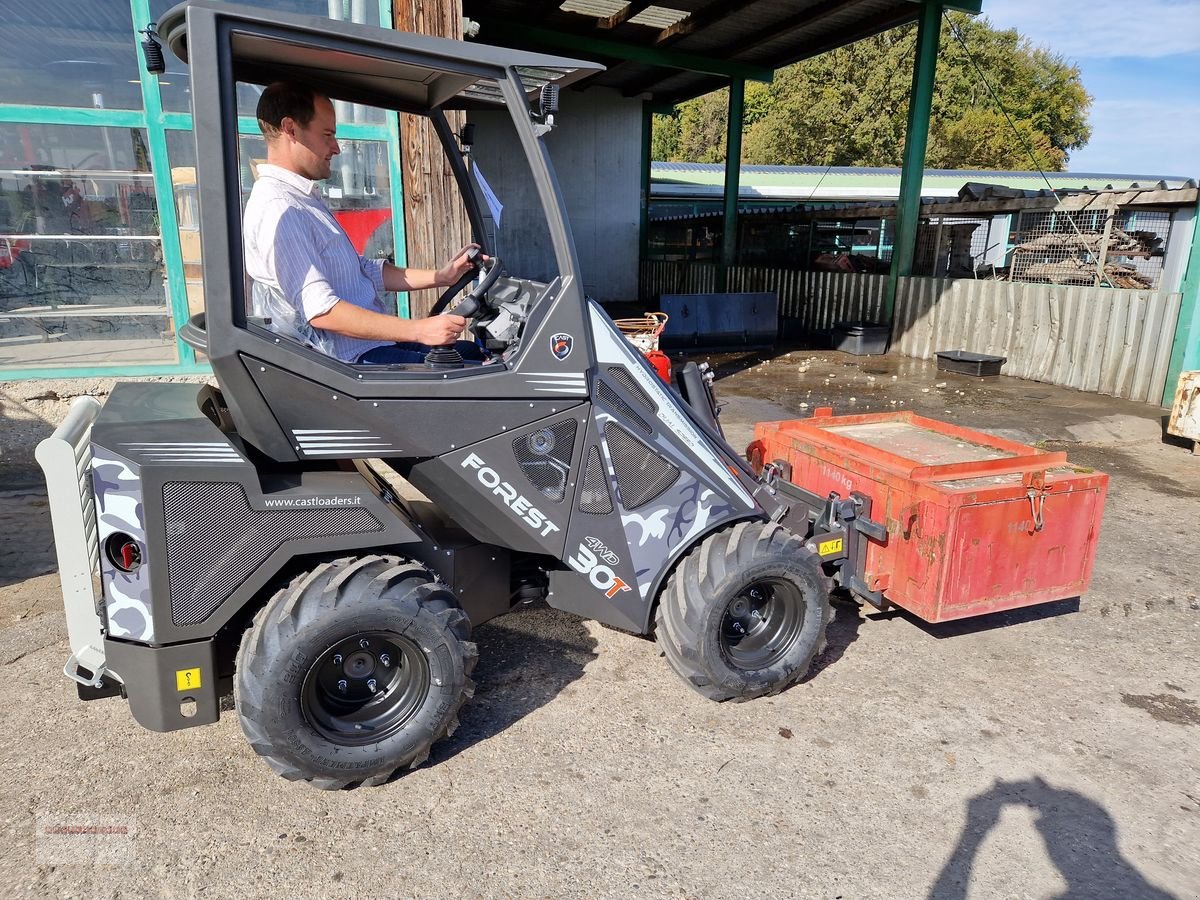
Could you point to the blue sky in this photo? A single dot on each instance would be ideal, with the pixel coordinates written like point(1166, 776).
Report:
point(1140, 62)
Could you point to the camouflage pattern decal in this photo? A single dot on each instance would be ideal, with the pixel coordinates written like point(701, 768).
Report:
point(657, 530)
point(118, 486)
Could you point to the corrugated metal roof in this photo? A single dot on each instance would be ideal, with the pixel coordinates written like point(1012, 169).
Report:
point(766, 34)
point(1181, 192)
point(705, 180)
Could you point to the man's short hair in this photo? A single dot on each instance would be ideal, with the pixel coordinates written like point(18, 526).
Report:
point(285, 100)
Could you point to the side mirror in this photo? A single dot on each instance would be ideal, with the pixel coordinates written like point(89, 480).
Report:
point(466, 136)
point(547, 106)
point(548, 100)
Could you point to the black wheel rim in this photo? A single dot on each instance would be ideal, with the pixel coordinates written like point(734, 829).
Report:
point(365, 688)
point(762, 623)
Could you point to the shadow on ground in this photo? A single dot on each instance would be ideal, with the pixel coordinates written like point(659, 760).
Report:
point(988, 622)
point(841, 632)
point(27, 550)
point(1079, 834)
point(526, 658)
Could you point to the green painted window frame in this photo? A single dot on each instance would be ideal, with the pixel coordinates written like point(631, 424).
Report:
point(156, 123)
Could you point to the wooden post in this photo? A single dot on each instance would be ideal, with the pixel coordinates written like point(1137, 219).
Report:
point(936, 265)
point(1102, 249)
point(435, 221)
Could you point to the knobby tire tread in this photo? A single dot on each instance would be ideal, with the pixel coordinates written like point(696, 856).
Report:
point(326, 586)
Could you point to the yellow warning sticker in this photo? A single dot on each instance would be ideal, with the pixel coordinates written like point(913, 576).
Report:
point(187, 679)
point(828, 548)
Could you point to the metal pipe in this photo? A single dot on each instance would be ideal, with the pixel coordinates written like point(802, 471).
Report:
point(733, 172)
point(644, 219)
point(908, 208)
point(1185, 352)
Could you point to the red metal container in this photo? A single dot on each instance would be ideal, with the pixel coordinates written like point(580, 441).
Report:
point(975, 523)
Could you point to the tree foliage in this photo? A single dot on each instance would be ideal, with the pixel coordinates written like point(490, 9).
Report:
point(849, 107)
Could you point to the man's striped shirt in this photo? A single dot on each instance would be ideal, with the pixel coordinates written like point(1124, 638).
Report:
point(301, 263)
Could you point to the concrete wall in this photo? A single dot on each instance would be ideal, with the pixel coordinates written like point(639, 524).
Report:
point(596, 150)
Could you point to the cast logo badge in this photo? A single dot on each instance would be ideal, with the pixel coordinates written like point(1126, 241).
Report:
point(561, 344)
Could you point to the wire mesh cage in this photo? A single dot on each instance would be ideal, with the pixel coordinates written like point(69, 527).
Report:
point(1111, 247)
point(952, 246)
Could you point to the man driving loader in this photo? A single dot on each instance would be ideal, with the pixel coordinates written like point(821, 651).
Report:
point(306, 275)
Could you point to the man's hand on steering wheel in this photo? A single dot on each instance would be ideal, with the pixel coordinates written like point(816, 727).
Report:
point(463, 263)
point(488, 267)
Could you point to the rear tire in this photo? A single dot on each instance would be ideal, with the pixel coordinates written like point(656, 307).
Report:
point(744, 614)
point(354, 671)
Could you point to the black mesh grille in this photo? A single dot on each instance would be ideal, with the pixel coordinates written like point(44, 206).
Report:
point(545, 457)
point(215, 540)
point(594, 497)
point(609, 397)
point(641, 473)
point(622, 377)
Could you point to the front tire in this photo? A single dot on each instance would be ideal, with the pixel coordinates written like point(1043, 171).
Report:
point(744, 614)
point(354, 671)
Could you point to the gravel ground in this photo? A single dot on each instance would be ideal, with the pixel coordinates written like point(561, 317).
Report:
point(1045, 753)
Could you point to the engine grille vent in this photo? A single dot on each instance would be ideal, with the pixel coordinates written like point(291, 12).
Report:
point(594, 497)
point(544, 456)
point(642, 475)
point(622, 377)
point(215, 540)
point(610, 399)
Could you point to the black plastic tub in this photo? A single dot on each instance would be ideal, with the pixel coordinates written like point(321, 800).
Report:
point(966, 363)
point(861, 338)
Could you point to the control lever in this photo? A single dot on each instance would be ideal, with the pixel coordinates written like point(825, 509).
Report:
point(447, 356)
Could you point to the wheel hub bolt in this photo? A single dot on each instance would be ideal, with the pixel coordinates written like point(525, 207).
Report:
point(371, 685)
point(342, 685)
point(364, 643)
point(385, 660)
point(337, 659)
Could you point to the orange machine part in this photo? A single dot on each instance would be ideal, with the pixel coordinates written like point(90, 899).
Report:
point(975, 524)
point(661, 363)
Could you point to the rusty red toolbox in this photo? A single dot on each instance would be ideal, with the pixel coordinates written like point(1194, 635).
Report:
point(975, 523)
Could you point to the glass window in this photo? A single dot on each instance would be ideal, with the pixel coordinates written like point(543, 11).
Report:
point(181, 153)
point(176, 88)
point(358, 191)
point(72, 53)
point(513, 216)
point(81, 271)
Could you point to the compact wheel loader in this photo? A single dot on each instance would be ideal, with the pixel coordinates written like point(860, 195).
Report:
point(322, 537)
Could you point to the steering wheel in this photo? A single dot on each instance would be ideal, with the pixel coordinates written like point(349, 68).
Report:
point(451, 292)
point(471, 304)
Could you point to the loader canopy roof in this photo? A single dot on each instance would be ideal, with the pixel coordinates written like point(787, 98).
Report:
point(411, 72)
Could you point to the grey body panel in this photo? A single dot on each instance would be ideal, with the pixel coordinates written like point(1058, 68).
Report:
point(216, 528)
point(488, 492)
point(152, 678)
point(324, 423)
